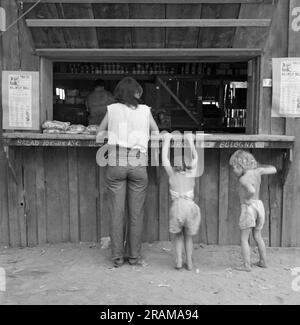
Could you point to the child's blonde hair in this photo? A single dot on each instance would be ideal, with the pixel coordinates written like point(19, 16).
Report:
point(243, 159)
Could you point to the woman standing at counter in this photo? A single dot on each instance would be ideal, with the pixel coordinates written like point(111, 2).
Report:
point(128, 123)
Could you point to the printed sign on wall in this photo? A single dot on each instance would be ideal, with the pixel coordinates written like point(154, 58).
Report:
point(286, 87)
point(20, 100)
point(286, 72)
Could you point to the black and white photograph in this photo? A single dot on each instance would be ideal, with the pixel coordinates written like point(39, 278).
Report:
point(150, 165)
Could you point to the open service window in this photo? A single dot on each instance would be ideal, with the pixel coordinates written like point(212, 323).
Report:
point(214, 97)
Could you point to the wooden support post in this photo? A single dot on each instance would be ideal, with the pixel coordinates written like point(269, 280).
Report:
point(287, 161)
point(177, 100)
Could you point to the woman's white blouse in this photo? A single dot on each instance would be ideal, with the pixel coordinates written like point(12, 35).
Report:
point(129, 127)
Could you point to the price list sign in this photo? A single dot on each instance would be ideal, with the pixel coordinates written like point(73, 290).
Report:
point(20, 100)
point(286, 87)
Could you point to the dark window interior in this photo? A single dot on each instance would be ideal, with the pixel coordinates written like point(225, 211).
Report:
point(215, 94)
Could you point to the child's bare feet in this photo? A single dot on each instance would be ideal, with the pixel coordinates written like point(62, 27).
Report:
point(189, 265)
point(243, 268)
point(261, 264)
point(179, 264)
point(178, 267)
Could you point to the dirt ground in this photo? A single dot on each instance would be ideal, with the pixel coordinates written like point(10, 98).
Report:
point(82, 274)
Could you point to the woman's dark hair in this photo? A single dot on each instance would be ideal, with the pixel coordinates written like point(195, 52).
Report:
point(125, 92)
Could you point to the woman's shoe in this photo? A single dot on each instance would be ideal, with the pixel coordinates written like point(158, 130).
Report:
point(118, 262)
point(136, 261)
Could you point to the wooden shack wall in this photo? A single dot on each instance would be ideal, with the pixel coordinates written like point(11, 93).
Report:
point(16, 54)
point(58, 194)
point(291, 197)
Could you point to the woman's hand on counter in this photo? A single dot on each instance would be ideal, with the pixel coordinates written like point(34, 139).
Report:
point(101, 136)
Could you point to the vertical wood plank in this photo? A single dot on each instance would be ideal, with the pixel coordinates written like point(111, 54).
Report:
point(64, 192)
point(253, 95)
point(30, 194)
point(73, 194)
point(15, 185)
point(11, 49)
point(223, 198)
point(150, 233)
point(28, 61)
point(291, 202)
point(197, 199)
point(234, 207)
point(4, 213)
point(54, 231)
point(250, 96)
point(46, 86)
point(41, 197)
point(4, 226)
point(277, 35)
point(11, 60)
point(87, 194)
point(56, 172)
point(276, 194)
point(18, 167)
point(163, 205)
point(208, 200)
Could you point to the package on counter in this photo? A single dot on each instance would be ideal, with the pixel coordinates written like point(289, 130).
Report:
point(57, 125)
point(92, 129)
point(76, 128)
point(54, 131)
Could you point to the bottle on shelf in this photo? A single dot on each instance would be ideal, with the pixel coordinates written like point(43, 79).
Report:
point(199, 69)
point(187, 68)
point(182, 70)
point(193, 68)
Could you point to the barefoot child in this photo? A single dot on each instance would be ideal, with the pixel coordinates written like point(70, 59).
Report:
point(252, 209)
point(184, 212)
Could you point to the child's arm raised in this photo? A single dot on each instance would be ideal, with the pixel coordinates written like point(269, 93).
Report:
point(190, 138)
point(154, 130)
point(165, 150)
point(266, 169)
